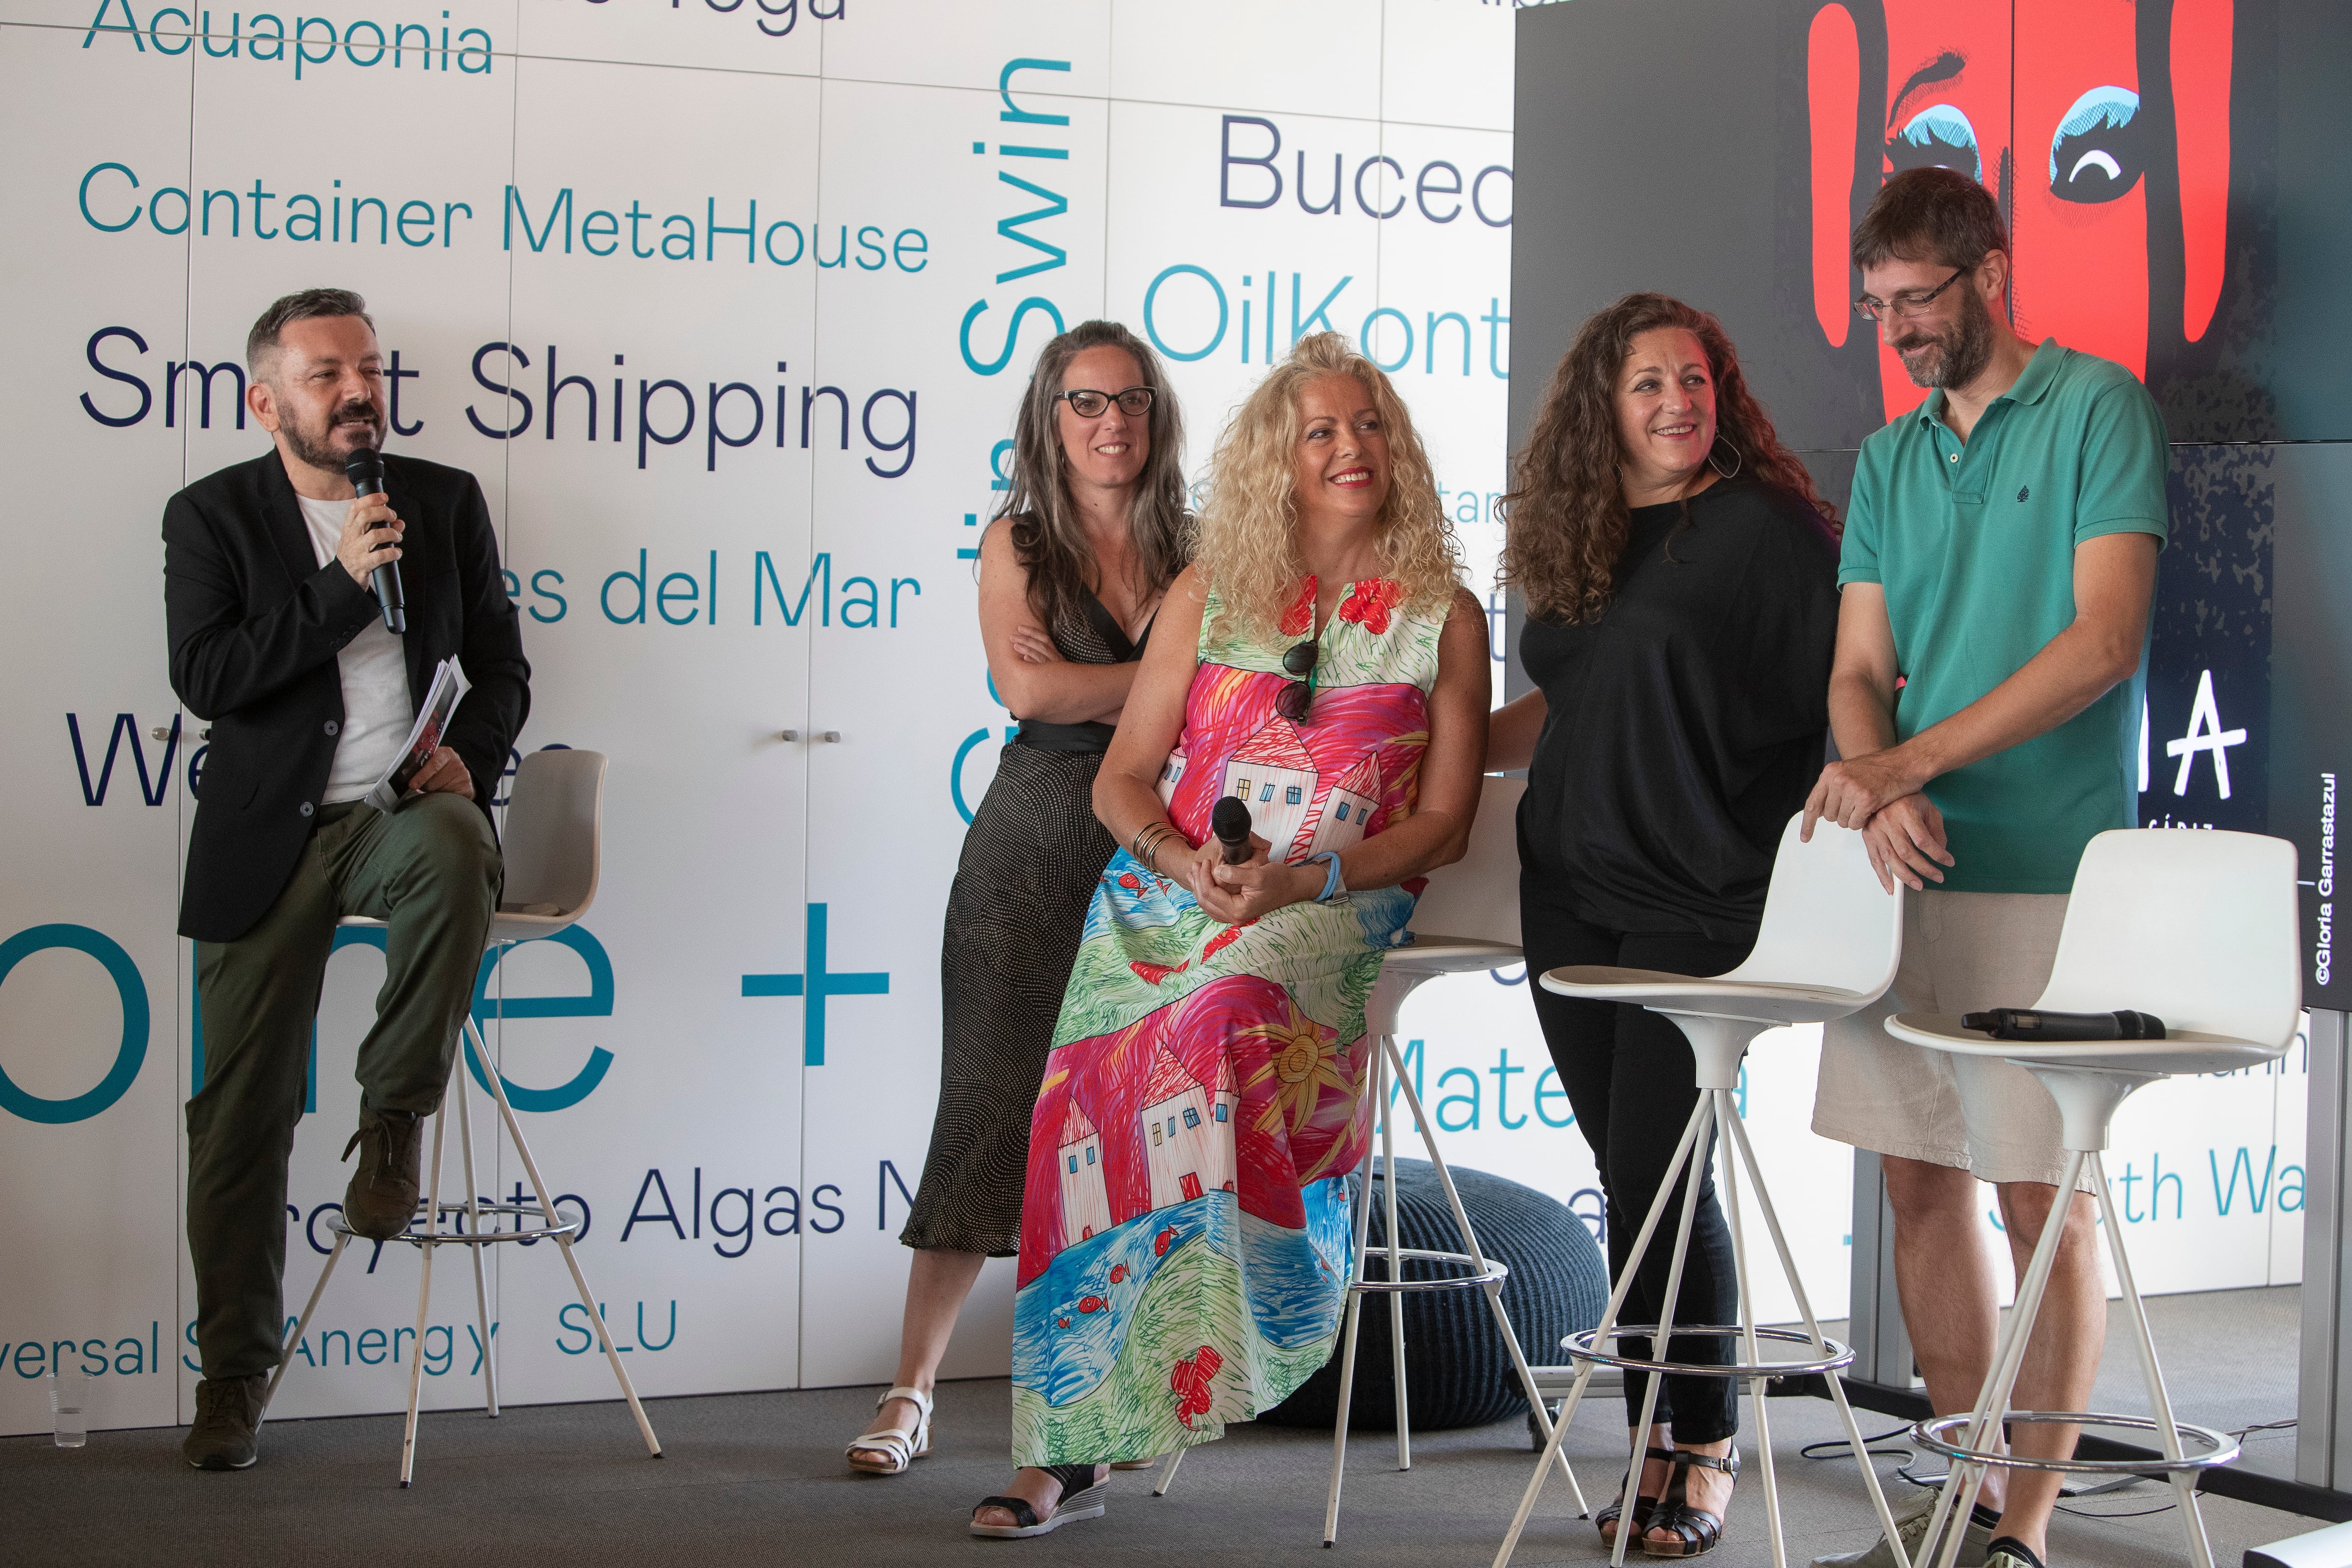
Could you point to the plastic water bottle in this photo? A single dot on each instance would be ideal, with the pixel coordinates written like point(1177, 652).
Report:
point(70, 1403)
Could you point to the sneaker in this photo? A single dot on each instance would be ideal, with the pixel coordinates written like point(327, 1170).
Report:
point(381, 1199)
point(1912, 1515)
point(228, 1412)
point(2008, 1551)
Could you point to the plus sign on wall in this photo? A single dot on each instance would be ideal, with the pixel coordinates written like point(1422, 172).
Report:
point(814, 984)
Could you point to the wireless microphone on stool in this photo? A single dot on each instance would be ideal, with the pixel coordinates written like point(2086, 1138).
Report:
point(365, 470)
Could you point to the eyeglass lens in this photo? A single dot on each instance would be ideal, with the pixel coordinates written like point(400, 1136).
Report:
point(1300, 660)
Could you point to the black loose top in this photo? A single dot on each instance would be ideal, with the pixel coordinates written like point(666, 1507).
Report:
point(1686, 724)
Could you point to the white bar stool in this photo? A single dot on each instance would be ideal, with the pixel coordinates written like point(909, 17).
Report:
point(1828, 946)
point(551, 847)
point(1476, 903)
point(2199, 928)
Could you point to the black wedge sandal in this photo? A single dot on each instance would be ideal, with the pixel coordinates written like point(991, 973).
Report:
point(1697, 1531)
point(1082, 1497)
point(1644, 1507)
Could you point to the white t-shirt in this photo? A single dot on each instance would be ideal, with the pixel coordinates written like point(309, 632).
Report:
point(377, 708)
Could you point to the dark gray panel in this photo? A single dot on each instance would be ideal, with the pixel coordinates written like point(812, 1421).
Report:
point(1665, 149)
point(1833, 475)
point(2314, 312)
point(2209, 652)
point(2311, 650)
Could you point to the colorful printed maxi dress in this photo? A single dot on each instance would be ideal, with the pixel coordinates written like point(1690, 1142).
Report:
point(1184, 1241)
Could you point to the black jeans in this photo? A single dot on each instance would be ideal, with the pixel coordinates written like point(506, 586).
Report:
point(1632, 1083)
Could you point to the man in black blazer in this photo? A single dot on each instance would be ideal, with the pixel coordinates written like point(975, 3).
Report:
point(278, 640)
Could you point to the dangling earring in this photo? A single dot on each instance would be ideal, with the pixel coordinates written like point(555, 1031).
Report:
point(1717, 463)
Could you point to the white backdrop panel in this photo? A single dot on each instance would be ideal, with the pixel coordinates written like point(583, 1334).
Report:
point(87, 1126)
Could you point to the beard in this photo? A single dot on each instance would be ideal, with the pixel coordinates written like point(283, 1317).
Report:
point(1957, 355)
point(315, 444)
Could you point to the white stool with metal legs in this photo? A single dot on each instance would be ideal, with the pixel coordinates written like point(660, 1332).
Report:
point(550, 849)
point(1828, 946)
point(2200, 929)
point(1467, 920)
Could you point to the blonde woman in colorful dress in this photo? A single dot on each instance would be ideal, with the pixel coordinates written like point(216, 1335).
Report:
point(1184, 1239)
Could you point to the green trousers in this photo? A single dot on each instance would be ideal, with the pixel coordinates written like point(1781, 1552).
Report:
point(431, 870)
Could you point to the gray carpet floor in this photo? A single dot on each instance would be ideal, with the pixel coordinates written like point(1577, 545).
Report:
point(759, 1478)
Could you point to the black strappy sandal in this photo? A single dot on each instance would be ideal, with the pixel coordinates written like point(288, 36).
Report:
point(1644, 1507)
point(1082, 1497)
point(1697, 1531)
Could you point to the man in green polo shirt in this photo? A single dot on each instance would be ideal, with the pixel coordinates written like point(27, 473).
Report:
point(1997, 576)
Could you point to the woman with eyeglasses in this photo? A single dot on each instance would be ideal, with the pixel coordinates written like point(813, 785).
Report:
point(1184, 1242)
point(1072, 573)
point(1680, 575)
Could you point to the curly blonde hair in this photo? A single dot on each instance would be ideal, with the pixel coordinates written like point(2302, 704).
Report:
point(1247, 545)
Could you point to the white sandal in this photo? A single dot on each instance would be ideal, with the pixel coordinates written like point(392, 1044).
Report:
point(897, 1447)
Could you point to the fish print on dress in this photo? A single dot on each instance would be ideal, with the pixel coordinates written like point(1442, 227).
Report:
point(1184, 1241)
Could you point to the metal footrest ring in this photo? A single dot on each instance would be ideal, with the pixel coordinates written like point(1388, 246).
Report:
point(1494, 1273)
point(458, 1208)
point(2221, 1448)
point(1583, 1346)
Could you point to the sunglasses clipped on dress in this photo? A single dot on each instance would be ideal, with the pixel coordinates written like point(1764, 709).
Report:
point(1297, 697)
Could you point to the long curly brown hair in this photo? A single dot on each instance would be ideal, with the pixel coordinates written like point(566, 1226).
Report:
point(1565, 519)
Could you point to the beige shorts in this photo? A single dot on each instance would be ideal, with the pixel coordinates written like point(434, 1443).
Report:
point(1962, 952)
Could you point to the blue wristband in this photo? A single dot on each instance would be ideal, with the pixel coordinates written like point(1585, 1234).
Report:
point(1331, 878)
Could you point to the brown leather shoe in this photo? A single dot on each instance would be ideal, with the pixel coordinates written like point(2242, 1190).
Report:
point(228, 1412)
point(381, 1199)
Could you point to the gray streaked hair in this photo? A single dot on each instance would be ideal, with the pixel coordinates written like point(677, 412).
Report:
point(1047, 538)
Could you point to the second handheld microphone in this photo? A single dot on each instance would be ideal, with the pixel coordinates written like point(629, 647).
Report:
point(364, 467)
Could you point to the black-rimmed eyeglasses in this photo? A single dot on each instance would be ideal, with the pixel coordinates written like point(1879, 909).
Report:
point(1089, 403)
point(1906, 305)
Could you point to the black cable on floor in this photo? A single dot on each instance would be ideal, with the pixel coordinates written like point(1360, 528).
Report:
point(1840, 1447)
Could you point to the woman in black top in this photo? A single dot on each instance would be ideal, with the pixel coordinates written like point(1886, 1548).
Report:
point(1680, 578)
point(1072, 571)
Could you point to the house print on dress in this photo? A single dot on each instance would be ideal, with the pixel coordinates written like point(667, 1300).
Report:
point(1085, 1196)
point(1171, 773)
point(1274, 776)
point(1337, 821)
point(1187, 1130)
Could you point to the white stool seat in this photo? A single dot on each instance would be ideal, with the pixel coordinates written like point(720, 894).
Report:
point(2197, 926)
point(1828, 946)
point(1754, 1001)
point(1476, 904)
point(2182, 1053)
point(550, 851)
point(1451, 954)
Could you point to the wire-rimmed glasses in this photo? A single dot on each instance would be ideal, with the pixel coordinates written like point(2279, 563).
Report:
point(1905, 307)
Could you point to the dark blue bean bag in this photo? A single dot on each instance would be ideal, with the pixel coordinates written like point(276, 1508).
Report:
point(1457, 1370)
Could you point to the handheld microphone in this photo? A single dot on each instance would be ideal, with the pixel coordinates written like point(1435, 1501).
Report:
point(1229, 819)
point(364, 467)
point(2031, 1024)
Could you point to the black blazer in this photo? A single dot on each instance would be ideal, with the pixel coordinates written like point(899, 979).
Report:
point(254, 623)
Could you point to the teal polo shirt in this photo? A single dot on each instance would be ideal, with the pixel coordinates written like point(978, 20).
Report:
point(1974, 545)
